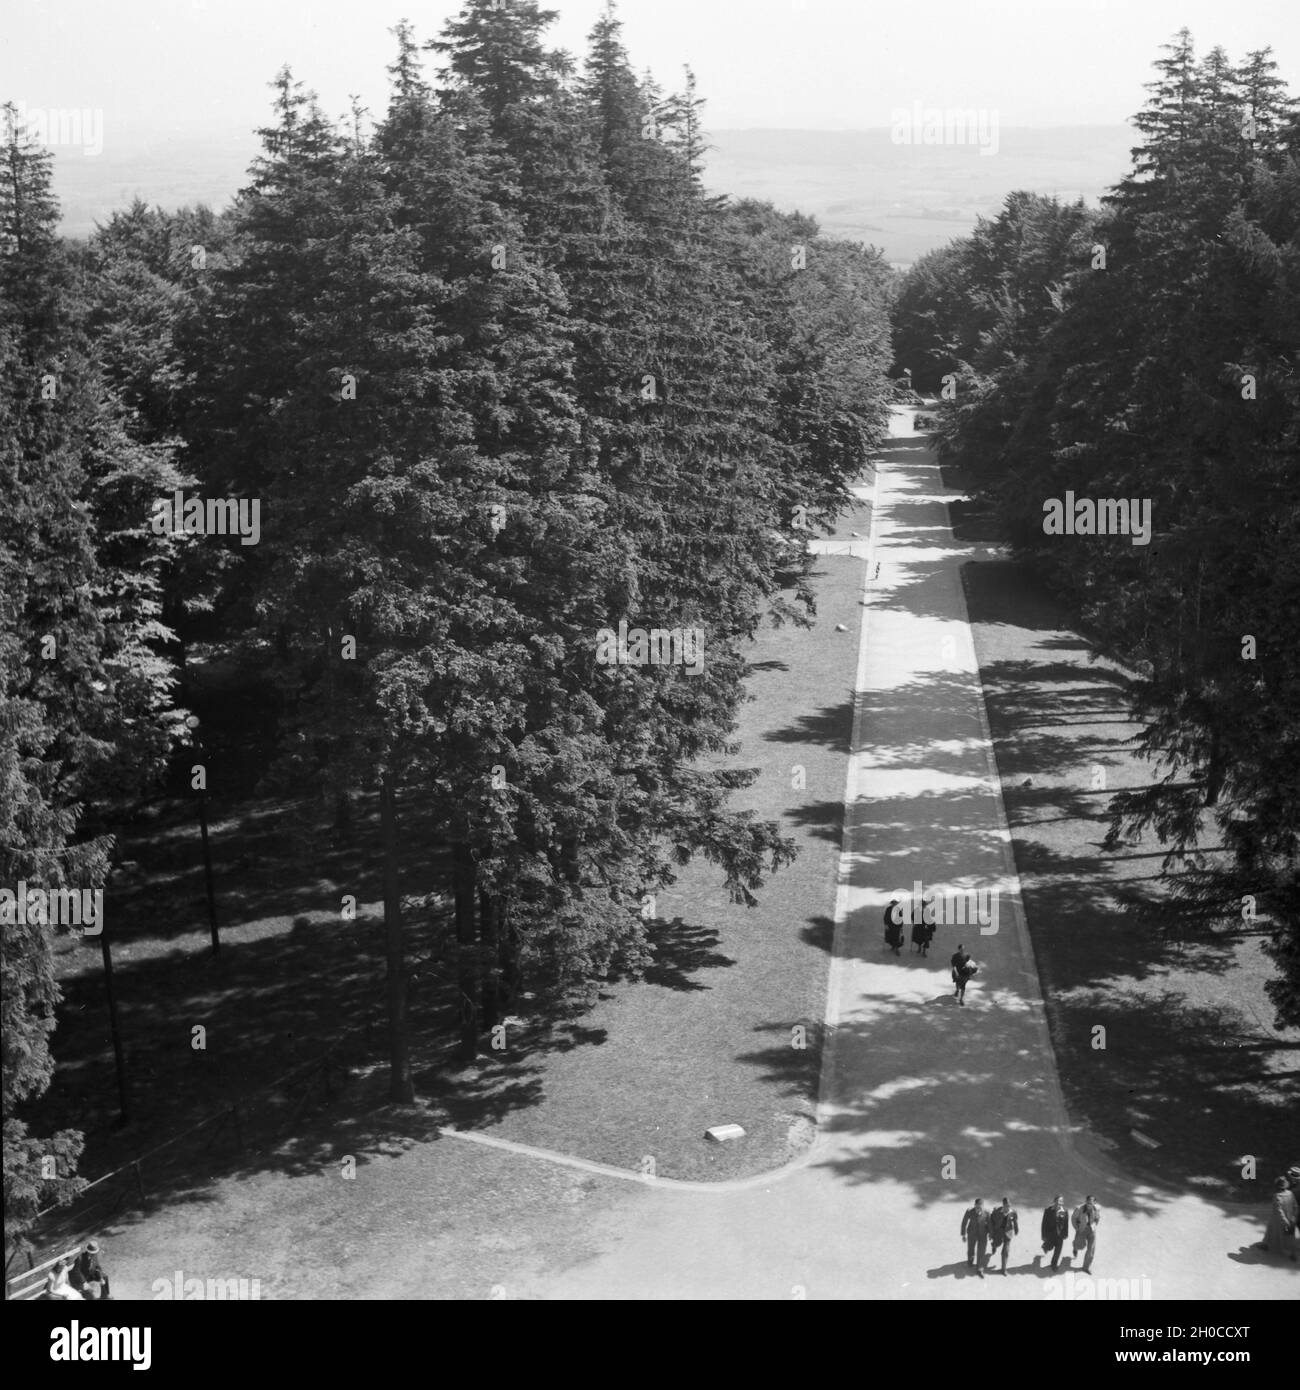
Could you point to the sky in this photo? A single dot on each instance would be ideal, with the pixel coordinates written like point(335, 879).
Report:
point(159, 68)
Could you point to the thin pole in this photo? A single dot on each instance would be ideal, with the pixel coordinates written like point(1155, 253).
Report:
point(119, 1057)
point(401, 1087)
point(207, 868)
point(192, 723)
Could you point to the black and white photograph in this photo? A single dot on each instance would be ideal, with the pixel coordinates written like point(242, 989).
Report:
point(650, 651)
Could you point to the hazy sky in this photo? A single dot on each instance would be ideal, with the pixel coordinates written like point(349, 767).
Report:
point(163, 66)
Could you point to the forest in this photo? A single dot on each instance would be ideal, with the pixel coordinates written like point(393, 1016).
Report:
point(439, 484)
point(1147, 352)
point(472, 382)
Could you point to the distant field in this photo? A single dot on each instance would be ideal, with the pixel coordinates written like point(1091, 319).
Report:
point(172, 172)
point(909, 199)
point(906, 199)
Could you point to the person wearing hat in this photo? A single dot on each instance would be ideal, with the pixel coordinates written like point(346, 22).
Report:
point(88, 1274)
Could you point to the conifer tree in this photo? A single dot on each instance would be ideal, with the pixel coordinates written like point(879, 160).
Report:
point(623, 330)
point(1168, 375)
point(84, 693)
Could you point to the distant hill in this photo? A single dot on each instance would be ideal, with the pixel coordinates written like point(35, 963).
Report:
point(906, 199)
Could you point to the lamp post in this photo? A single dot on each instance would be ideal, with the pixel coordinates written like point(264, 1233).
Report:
point(192, 724)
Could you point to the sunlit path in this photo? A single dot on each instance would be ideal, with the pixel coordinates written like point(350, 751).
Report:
point(914, 1086)
point(924, 1104)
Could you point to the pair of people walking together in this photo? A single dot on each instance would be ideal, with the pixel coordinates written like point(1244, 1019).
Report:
point(922, 931)
point(979, 1227)
point(1057, 1221)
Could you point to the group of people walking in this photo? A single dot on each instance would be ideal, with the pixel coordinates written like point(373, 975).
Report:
point(922, 932)
point(980, 1227)
point(987, 1233)
point(963, 966)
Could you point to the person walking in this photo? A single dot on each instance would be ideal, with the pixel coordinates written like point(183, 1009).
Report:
point(1056, 1226)
point(963, 971)
point(1086, 1219)
point(1280, 1233)
point(975, 1230)
point(1003, 1224)
point(894, 925)
point(922, 931)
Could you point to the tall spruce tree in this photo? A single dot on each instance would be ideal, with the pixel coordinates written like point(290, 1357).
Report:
point(634, 381)
point(85, 694)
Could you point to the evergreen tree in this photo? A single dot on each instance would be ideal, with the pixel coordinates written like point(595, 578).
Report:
point(1168, 375)
point(84, 695)
point(1263, 103)
point(624, 338)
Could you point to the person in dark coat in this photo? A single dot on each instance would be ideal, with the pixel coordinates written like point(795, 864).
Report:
point(87, 1273)
point(1056, 1226)
point(963, 971)
point(975, 1230)
point(1280, 1233)
point(922, 931)
point(1003, 1224)
point(894, 925)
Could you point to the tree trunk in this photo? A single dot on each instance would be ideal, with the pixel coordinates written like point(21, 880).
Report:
point(507, 957)
point(1218, 770)
point(463, 888)
point(489, 908)
point(400, 1087)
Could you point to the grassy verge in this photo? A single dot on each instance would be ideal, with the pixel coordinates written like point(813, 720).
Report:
point(1192, 1078)
point(707, 1038)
